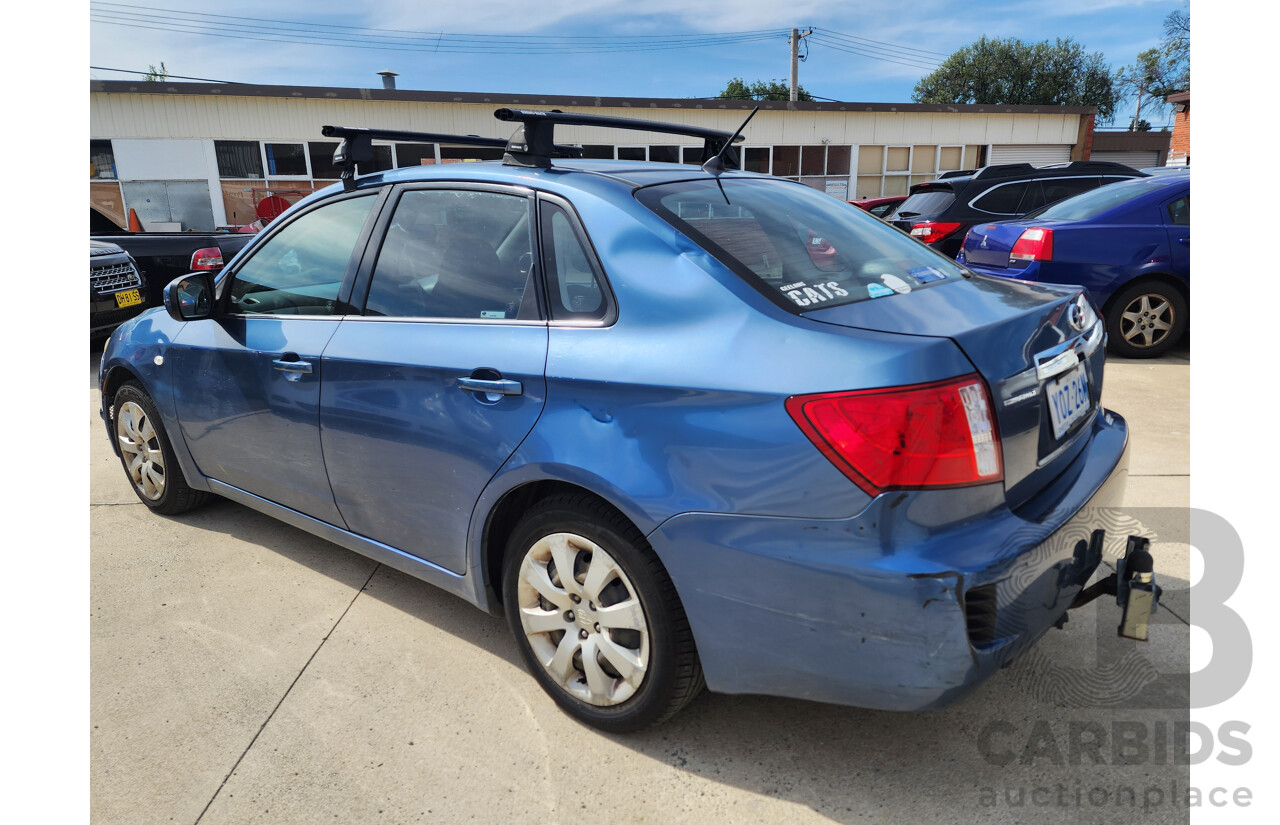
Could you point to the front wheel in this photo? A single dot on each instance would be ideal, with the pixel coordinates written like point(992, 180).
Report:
point(1146, 319)
point(147, 455)
point(596, 617)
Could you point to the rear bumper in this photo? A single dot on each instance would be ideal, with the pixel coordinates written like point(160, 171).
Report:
point(910, 605)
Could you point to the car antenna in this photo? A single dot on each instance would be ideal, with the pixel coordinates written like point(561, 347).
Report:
point(715, 165)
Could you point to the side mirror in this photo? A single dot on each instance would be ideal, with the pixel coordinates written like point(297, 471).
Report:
point(190, 297)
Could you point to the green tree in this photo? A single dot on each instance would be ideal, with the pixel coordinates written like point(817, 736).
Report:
point(160, 74)
point(737, 89)
point(1012, 72)
point(1160, 71)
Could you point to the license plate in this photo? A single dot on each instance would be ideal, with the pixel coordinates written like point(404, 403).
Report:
point(1068, 400)
point(128, 298)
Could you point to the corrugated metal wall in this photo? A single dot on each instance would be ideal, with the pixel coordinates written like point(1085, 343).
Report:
point(1036, 155)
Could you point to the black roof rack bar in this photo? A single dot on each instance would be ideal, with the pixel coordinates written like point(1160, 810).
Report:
point(534, 144)
point(357, 146)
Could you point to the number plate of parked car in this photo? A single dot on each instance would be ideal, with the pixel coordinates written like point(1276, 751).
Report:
point(1068, 400)
point(128, 298)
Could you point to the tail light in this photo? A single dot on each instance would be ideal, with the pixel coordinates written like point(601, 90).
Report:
point(933, 231)
point(1034, 244)
point(208, 258)
point(941, 434)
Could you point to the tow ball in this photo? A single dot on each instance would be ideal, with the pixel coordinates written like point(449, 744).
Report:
point(1134, 586)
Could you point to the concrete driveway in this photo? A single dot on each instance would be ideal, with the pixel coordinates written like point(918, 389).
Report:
point(244, 671)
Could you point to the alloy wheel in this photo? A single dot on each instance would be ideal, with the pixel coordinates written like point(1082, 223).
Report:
point(1147, 320)
point(140, 447)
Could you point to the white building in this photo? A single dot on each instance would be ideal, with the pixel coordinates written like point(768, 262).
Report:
point(199, 155)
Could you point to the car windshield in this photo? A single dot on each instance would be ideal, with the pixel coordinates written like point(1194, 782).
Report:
point(927, 202)
point(800, 247)
point(1093, 203)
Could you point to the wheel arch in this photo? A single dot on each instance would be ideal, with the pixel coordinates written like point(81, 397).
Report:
point(1183, 289)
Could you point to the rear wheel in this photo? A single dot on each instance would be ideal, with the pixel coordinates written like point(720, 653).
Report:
point(147, 455)
point(1146, 319)
point(596, 617)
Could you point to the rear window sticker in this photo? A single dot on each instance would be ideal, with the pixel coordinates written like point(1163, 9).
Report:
point(878, 290)
point(804, 296)
point(925, 274)
point(895, 283)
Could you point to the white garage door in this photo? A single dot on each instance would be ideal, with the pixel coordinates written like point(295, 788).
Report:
point(1036, 154)
point(1138, 160)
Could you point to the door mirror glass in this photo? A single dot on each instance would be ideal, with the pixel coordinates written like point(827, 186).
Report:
point(190, 297)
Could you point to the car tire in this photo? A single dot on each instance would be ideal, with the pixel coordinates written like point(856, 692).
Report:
point(147, 455)
point(1146, 319)
point(613, 648)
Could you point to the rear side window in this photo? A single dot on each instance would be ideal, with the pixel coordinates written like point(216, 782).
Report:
point(1180, 211)
point(1004, 199)
point(928, 202)
point(801, 248)
point(1051, 190)
point(573, 279)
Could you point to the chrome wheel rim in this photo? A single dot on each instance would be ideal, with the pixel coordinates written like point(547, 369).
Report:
point(140, 447)
point(1146, 321)
point(583, 619)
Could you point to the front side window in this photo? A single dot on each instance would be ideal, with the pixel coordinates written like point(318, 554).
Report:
point(801, 248)
point(299, 270)
point(455, 254)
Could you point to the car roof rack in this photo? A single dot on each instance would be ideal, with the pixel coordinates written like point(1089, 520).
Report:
point(533, 145)
point(357, 146)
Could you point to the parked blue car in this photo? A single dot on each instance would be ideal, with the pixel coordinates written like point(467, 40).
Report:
point(1128, 244)
point(682, 425)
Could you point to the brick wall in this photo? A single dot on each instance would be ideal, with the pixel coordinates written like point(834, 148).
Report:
point(1180, 145)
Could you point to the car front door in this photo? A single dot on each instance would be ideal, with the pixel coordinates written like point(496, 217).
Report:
point(431, 390)
point(247, 383)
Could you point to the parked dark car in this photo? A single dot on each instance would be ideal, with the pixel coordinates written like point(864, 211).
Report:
point(939, 212)
point(676, 422)
point(117, 290)
point(880, 207)
point(163, 256)
point(1129, 245)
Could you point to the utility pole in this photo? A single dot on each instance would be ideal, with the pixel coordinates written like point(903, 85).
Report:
point(795, 62)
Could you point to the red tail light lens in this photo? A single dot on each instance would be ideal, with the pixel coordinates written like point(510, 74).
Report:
point(1034, 244)
point(207, 258)
point(941, 434)
point(933, 231)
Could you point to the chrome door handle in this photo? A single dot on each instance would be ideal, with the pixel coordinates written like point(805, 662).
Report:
point(293, 370)
point(502, 386)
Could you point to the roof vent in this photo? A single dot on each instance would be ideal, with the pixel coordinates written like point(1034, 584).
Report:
point(388, 78)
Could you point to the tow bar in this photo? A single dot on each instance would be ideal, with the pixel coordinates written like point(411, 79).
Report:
point(1133, 584)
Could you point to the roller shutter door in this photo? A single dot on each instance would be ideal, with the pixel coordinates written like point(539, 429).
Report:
point(1138, 160)
point(1036, 154)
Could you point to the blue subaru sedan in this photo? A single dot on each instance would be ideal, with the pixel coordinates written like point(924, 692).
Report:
point(683, 425)
point(1128, 244)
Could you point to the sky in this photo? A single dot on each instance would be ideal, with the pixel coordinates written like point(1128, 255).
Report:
point(859, 52)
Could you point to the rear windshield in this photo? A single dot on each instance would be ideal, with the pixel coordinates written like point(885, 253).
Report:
point(928, 202)
point(1090, 204)
point(800, 247)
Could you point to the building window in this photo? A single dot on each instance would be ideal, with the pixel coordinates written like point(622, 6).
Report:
point(664, 154)
point(597, 151)
point(467, 154)
point(415, 154)
point(786, 161)
point(321, 155)
point(238, 158)
point(102, 160)
point(633, 153)
point(286, 159)
point(756, 159)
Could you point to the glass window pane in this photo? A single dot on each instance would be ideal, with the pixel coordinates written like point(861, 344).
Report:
point(838, 160)
point(664, 154)
point(454, 254)
point(692, 154)
point(102, 160)
point(463, 154)
point(1002, 200)
point(286, 159)
point(757, 159)
point(923, 159)
point(814, 160)
point(238, 158)
point(1180, 211)
point(415, 154)
point(631, 153)
point(572, 274)
point(597, 152)
point(381, 163)
point(299, 270)
point(870, 160)
point(321, 154)
point(898, 159)
point(786, 161)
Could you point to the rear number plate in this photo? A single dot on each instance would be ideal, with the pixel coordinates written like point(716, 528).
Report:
point(1068, 400)
point(128, 298)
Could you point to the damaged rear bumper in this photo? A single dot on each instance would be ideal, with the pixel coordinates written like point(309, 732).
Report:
point(908, 605)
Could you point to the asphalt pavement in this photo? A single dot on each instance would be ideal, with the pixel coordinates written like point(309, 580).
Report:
point(245, 671)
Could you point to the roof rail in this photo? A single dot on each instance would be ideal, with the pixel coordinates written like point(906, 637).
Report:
point(957, 173)
point(357, 147)
point(533, 144)
point(1004, 170)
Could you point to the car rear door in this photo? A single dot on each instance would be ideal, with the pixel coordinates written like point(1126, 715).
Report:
point(247, 383)
point(1177, 217)
point(432, 388)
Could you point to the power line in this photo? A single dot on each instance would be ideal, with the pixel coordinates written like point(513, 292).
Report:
point(850, 37)
point(915, 64)
point(167, 76)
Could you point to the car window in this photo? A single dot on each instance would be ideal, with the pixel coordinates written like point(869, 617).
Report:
point(455, 254)
point(927, 202)
point(883, 209)
point(298, 270)
point(800, 247)
point(1095, 202)
point(1004, 199)
point(1051, 190)
point(1180, 211)
point(572, 278)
